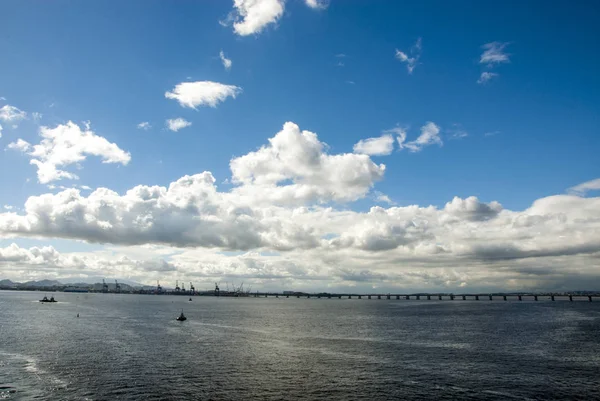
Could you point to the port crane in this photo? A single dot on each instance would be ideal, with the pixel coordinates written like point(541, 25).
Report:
point(192, 288)
point(104, 286)
point(117, 287)
point(177, 286)
point(158, 287)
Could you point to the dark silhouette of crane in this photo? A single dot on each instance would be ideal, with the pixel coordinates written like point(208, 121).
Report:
point(104, 286)
point(117, 287)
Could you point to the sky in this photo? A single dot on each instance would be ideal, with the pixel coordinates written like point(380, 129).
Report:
point(302, 144)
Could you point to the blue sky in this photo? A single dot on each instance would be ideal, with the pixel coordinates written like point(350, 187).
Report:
point(332, 70)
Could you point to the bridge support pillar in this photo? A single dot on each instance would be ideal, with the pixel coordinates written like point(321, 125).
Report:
point(520, 297)
point(418, 297)
point(464, 297)
point(504, 297)
point(451, 297)
point(397, 296)
point(359, 297)
point(276, 295)
point(476, 297)
point(590, 298)
point(339, 297)
point(535, 297)
point(552, 297)
point(490, 297)
point(349, 296)
point(369, 296)
point(429, 297)
point(287, 296)
point(440, 297)
point(378, 296)
point(571, 298)
point(388, 296)
point(407, 297)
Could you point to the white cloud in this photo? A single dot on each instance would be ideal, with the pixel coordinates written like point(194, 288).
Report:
point(175, 124)
point(0, 130)
point(145, 125)
point(494, 53)
point(383, 145)
point(8, 207)
point(68, 144)
point(486, 76)
point(252, 16)
point(383, 198)
point(340, 55)
point(295, 168)
point(317, 4)
point(36, 116)
point(430, 135)
point(11, 114)
point(491, 133)
point(457, 132)
point(20, 145)
point(226, 62)
point(585, 187)
point(413, 60)
point(202, 93)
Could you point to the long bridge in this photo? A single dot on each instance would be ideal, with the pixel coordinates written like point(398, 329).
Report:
point(435, 297)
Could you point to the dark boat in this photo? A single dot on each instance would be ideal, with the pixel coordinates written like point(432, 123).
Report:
point(190, 299)
point(181, 317)
point(45, 299)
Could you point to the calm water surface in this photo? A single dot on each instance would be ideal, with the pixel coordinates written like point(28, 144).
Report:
point(129, 347)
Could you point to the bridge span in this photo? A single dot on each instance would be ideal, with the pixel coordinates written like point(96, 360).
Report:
point(436, 296)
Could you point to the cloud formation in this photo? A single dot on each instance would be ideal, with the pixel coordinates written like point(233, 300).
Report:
point(295, 168)
point(68, 144)
point(430, 135)
point(494, 53)
point(175, 124)
point(202, 93)
point(253, 16)
point(11, 114)
point(145, 125)
point(317, 4)
point(585, 187)
point(411, 60)
point(226, 62)
point(381, 146)
point(486, 76)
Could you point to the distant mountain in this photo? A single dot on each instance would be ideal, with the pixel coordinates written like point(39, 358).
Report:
point(7, 283)
point(42, 283)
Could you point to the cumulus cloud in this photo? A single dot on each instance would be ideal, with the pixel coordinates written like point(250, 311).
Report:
point(68, 144)
point(317, 4)
point(175, 124)
point(145, 125)
point(381, 146)
point(430, 135)
point(284, 236)
point(486, 76)
point(252, 16)
point(295, 167)
point(412, 59)
point(0, 130)
point(226, 62)
point(11, 114)
point(19, 145)
point(202, 93)
point(585, 187)
point(494, 53)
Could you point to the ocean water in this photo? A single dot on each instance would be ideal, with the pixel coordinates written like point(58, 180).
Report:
point(129, 347)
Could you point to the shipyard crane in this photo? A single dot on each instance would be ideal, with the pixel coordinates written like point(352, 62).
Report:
point(192, 288)
point(158, 287)
point(117, 287)
point(177, 286)
point(104, 286)
point(183, 287)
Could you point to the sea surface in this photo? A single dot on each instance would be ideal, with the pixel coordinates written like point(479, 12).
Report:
point(130, 347)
